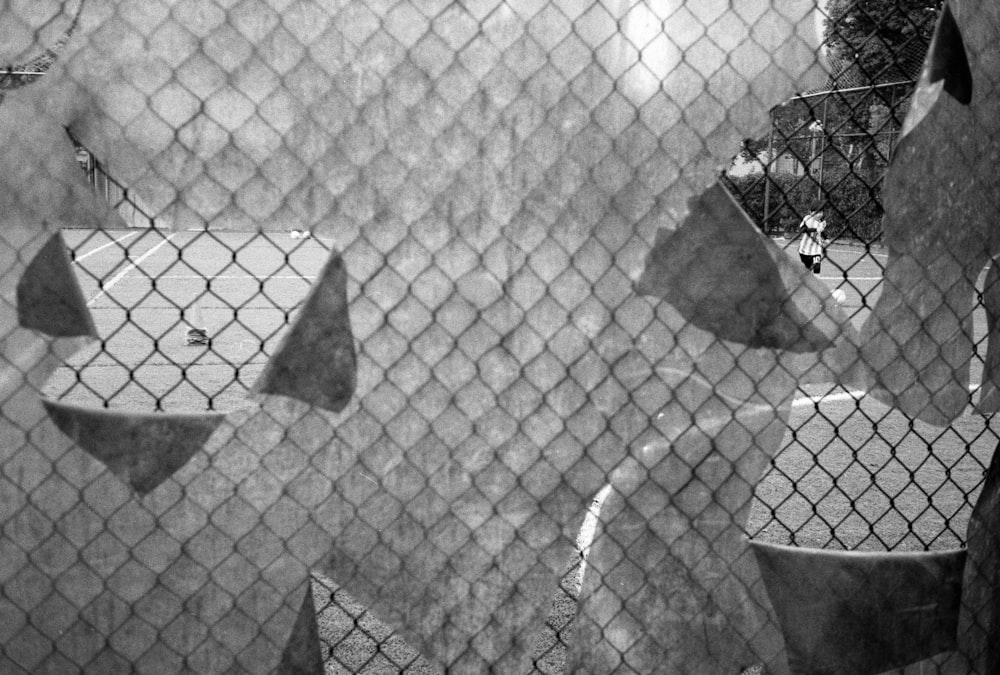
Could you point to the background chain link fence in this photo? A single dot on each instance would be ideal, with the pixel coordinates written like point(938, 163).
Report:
point(493, 175)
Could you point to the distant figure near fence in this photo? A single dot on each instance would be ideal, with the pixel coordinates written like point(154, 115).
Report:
point(812, 244)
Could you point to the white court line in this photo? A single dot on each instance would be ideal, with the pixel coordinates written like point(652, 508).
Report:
point(862, 252)
point(842, 248)
point(851, 395)
point(131, 266)
point(104, 246)
point(823, 398)
point(586, 536)
point(848, 279)
point(236, 276)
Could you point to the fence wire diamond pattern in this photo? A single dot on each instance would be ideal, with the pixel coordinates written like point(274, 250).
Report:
point(420, 336)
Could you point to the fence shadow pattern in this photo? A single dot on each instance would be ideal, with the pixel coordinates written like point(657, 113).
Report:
point(540, 375)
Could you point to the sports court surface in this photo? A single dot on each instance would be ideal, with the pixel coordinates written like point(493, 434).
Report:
point(853, 473)
point(243, 289)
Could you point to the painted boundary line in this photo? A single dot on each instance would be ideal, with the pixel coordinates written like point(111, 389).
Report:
point(243, 277)
point(853, 395)
point(787, 243)
point(103, 246)
point(848, 280)
point(860, 251)
point(850, 395)
point(588, 529)
point(128, 269)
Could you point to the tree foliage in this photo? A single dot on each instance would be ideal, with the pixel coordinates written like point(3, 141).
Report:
point(884, 39)
point(844, 135)
point(777, 203)
point(868, 42)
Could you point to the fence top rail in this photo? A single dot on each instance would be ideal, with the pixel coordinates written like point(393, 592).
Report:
point(852, 90)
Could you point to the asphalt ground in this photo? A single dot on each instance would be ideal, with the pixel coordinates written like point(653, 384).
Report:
point(145, 290)
point(852, 473)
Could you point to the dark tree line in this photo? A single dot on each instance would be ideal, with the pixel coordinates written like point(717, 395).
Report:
point(843, 135)
point(884, 39)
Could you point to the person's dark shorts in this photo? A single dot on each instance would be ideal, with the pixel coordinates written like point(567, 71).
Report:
point(811, 262)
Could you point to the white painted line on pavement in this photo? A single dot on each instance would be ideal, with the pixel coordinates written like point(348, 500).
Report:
point(823, 398)
point(101, 248)
point(128, 269)
point(587, 530)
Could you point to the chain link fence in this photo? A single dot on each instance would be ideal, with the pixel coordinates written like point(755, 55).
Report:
point(419, 336)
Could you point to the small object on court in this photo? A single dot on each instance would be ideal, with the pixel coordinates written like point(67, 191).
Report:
point(839, 295)
point(196, 336)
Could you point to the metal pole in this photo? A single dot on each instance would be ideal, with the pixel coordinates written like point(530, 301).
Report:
point(892, 127)
point(767, 178)
point(822, 149)
point(852, 90)
point(812, 150)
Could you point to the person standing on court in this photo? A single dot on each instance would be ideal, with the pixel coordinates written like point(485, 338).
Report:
point(812, 243)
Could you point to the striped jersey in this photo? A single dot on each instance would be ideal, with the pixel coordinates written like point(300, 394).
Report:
point(812, 229)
